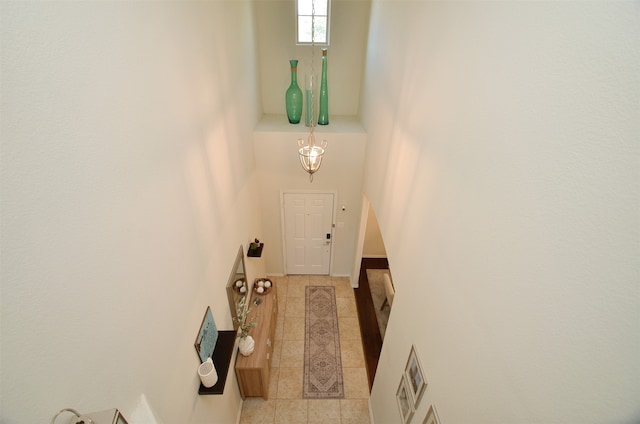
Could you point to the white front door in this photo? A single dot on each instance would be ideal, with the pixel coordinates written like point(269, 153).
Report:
point(308, 221)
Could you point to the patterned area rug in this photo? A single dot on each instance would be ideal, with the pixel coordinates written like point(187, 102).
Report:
point(322, 360)
point(376, 284)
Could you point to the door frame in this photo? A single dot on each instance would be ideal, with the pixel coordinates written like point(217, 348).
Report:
point(333, 223)
point(357, 260)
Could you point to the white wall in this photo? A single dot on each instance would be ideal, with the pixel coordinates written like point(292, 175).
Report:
point(275, 140)
point(127, 187)
point(278, 168)
point(502, 162)
point(373, 245)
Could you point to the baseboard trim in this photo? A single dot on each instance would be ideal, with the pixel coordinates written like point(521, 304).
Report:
point(240, 412)
point(370, 411)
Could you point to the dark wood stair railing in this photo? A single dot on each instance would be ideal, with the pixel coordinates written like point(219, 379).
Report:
point(371, 339)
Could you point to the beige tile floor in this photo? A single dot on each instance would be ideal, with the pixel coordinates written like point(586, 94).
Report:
point(285, 404)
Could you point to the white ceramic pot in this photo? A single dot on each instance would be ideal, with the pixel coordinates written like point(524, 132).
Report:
point(207, 373)
point(246, 345)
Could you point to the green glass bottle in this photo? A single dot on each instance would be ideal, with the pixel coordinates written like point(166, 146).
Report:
point(323, 118)
point(293, 97)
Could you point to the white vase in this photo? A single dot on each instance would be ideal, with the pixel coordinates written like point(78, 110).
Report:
point(208, 374)
point(246, 345)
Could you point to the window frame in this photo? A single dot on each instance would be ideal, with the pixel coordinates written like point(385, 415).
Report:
point(328, 29)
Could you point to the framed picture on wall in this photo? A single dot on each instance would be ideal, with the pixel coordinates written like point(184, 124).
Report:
point(432, 416)
point(207, 336)
point(405, 404)
point(415, 377)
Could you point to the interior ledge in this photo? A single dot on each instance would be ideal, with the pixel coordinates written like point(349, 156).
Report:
point(344, 124)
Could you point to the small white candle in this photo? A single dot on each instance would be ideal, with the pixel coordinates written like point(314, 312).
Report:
point(243, 289)
point(239, 283)
point(260, 290)
point(267, 284)
point(260, 283)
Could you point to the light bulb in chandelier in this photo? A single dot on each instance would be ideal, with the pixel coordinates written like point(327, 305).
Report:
point(311, 154)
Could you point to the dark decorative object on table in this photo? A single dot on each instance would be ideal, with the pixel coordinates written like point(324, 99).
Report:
point(255, 249)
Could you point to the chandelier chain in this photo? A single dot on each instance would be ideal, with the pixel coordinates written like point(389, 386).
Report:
point(311, 154)
point(312, 77)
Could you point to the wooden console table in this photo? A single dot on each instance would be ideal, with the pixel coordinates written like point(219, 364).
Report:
point(254, 371)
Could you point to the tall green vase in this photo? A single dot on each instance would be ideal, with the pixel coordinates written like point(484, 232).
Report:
point(293, 97)
point(323, 118)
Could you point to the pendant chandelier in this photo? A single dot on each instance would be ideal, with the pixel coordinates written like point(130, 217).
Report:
point(311, 154)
